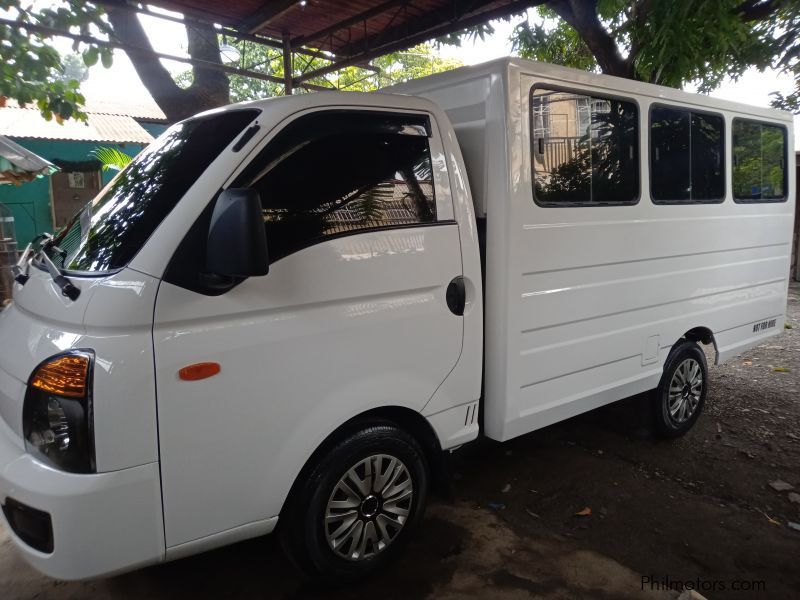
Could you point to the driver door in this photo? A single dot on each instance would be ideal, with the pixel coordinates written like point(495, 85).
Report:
point(351, 316)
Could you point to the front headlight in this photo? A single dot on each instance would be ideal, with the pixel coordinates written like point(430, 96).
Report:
point(57, 413)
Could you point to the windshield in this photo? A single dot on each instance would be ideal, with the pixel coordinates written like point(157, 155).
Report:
point(108, 232)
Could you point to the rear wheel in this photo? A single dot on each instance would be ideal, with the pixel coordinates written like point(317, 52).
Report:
point(681, 393)
point(357, 506)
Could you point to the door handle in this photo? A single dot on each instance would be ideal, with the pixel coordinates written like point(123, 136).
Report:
point(456, 296)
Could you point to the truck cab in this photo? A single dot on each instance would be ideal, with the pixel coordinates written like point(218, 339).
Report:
point(265, 283)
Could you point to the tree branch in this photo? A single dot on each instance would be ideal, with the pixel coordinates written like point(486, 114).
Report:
point(582, 15)
point(640, 12)
point(209, 88)
point(129, 31)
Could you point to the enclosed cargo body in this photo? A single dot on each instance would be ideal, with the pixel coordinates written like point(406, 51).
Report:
point(585, 299)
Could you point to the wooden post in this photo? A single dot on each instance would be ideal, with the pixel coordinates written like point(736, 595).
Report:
point(288, 72)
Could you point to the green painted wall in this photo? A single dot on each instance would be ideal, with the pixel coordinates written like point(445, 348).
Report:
point(154, 129)
point(30, 202)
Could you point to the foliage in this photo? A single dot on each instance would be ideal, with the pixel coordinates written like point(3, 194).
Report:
point(111, 158)
point(559, 45)
point(785, 28)
point(669, 42)
point(73, 68)
point(33, 71)
point(390, 69)
point(477, 32)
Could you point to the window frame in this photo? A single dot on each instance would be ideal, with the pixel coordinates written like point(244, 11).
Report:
point(593, 95)
point(786, 166)
point(691, 111)
point(429, 124)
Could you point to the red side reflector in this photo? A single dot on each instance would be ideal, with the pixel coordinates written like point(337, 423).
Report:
point(199, 371)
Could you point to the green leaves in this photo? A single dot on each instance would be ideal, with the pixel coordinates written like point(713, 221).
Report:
point(90, 56)
point(33, 71)
point(674, 42)
point(560, 45)
point(111, 158)
point(396, 67)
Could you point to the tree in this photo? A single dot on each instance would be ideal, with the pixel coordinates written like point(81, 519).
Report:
point(669, 42)
point(73, 68)
point(33, 70)
point(386, 70)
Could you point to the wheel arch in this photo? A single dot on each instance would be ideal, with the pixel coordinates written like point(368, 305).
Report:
point(407, 419)
point(703, 335)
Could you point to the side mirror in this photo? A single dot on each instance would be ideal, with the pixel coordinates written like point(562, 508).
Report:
point(237, 240)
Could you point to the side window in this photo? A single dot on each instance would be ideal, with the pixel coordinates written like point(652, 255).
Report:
point(342, 172)
point(584, 149)
point(687, 151)
point(759, 162)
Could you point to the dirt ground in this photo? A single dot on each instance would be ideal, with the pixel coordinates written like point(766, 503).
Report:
point(699, 509)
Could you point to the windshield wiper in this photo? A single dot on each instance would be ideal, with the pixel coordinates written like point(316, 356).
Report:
point(22, 269)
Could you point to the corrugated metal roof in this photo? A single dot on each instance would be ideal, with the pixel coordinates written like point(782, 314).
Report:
point(28, 123)
point(142, 109)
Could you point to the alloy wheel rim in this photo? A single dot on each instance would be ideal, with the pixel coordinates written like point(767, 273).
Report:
point(685, 390)
point(369, 506)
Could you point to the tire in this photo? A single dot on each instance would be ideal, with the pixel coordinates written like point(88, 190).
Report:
point(681, 393)
point(341, 524)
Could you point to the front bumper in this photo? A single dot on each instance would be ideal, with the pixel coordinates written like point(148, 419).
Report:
point(101, 523)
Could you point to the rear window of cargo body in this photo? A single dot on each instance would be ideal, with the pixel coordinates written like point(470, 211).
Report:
point(759, 161)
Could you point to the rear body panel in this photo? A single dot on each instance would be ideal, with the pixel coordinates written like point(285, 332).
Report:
point(583, 303)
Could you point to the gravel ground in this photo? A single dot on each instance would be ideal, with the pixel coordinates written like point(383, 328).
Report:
point(699, 509)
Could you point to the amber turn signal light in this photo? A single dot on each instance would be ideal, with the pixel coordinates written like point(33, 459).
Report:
point(199, 371)
point(63, 376)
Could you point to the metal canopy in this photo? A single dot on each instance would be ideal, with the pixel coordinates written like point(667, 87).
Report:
point(18, 164)
point(346, 33)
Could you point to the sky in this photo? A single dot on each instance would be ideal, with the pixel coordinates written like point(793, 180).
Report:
point(121, 82)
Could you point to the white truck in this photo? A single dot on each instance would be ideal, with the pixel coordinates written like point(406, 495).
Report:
point(284, 313)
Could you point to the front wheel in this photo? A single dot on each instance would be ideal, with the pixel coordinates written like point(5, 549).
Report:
point(355, 509)
point(681, 393)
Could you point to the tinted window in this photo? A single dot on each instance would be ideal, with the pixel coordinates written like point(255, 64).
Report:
point(759, 168)
point(110, 230)
point(585, 149)
point(686, 156)
point(335, 173)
